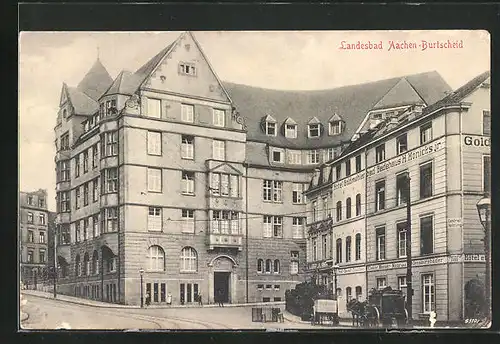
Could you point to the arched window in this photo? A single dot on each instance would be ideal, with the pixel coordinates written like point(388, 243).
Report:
point(358, 204)
point(269, 265)
point(348, 208)
point(358, 246)
point(359, 293)
point(348, 249)
point(156, 257)
point(348, 293)
point(339, 251)
point(86, 264)
point(95, 263)
point(260, 265)
point(339, 210)
point(276, 266)
point(189, 260)
point(78, 266)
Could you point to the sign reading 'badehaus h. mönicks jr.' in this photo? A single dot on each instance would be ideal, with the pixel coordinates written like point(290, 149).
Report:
point(414, 154)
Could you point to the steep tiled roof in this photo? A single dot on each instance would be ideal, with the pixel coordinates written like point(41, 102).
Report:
point(125, 83)
point(351, 103)
point(82, 103)
point(96, 81)
point(148, 67)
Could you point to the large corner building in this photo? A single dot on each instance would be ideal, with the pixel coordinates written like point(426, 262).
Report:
point(195, 182)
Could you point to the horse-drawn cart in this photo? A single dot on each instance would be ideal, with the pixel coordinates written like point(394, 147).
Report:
point(325, 310)
point(385, 308)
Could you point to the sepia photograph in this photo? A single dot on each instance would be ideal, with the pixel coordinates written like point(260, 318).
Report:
point(242, 180)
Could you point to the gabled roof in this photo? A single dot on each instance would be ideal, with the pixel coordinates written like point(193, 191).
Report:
point(314, 120)
point(353, 102)
point(401, 94)
point(269, 119)
point(96, 81)
point(335, 117)
point(290, 121)
point(146, 69)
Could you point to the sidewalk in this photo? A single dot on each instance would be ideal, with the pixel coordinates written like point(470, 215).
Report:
point(94, 303)
point(295, 319)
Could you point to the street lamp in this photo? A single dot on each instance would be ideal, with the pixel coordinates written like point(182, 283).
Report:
point(335, 267)
point(141, 272)
point(483, 209)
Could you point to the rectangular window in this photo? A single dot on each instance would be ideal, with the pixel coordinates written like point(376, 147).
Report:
point(486, 174)
point(273, 226)
point(41, 219)
point(109, 144)
point(31, 237)
point(187, 147)
point(348, 168)
point(110, 180)
point(314, 130)
point(85, 229)
point(338, 251)
point(428, 293)
point(298, 189)
point(30, 256)
point(401, 188)
point(325, 247)
point(272, 190)
point(64, 200)
point(188, 182)
point(330, 154)
point(155, 292)
point(294, 157)
point(426, 180)
point(65, 141)
point(154, 108)
point(187, 113)
point(64, 170)
point(77, 165)
point(358, 204)
point(163, 292)
point(339, 211)
point(338, 170)
point(187, 69)
point(85, 161)
point(294, 268)
point(291, 131)
point(326, 208)
point(380, 153)
point(401, 144)
point(219, 150)
point(335, 127)
point(77, 231)
point(486, 122)
point(380, 243)
point(277, 155)
point(86, 194)
point(402, 284)
point(224, 185)
point(41, 237)
point(380, 195)
point(426, 235)
point(401, 231)
point(313, 156)
point(348, 246)
point(187, 221)
point(425, 133)
point(358, 246)
point(95, 156)
point(154, 179)
point(154, 143)
point(260, 286)
point(154, 219)
point(219, 118)
point(381, 282)
point(95, 190)
point(358, 163)
point(109, 217)
point(298, 224)
point(314, 206)
point(95, 224)
point(77, 198)
point(271, 128)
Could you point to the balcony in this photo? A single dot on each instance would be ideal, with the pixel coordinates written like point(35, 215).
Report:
point(225, 241)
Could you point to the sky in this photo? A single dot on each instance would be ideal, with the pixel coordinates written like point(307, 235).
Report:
point(296, 60)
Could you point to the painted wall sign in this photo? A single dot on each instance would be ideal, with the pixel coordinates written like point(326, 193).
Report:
point(353, 270)
point(476, 141)
point(411, 155)
point(455, 222)
point(474, 257)
point(454, 258)
point(347, 181)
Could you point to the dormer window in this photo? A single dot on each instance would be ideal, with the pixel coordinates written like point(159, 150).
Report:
point(277, 155)
point(290, 128)
point(314, 130)
point(270, 126)
point(335, 128)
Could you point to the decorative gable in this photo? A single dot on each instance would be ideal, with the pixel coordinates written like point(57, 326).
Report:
point(290, 121)
point(183, 68)
point(225, 168)
point(314, 120)
point(64, 94)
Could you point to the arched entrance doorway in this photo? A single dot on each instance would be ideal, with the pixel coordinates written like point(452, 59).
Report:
point(222, 279)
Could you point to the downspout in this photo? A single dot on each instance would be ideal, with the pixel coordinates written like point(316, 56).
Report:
point(246, 230)
point(366, 222)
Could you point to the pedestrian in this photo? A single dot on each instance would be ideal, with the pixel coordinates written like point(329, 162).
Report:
point(221, 301)
point(169, 298)
point(200, 302)
point(148, 299)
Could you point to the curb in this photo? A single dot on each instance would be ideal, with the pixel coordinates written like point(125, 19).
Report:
point(118, 306)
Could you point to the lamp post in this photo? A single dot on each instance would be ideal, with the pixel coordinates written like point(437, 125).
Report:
point(141, 272)
point(335, 267)
point(55, 272)
point(483, 209)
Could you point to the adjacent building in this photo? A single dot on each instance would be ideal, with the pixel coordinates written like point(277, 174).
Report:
point(33, 236)
point(195, 183)
point(444, 148)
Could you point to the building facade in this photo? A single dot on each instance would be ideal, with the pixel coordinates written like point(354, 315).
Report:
point(33, 236)
point(195, 182)
point(444, 149)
